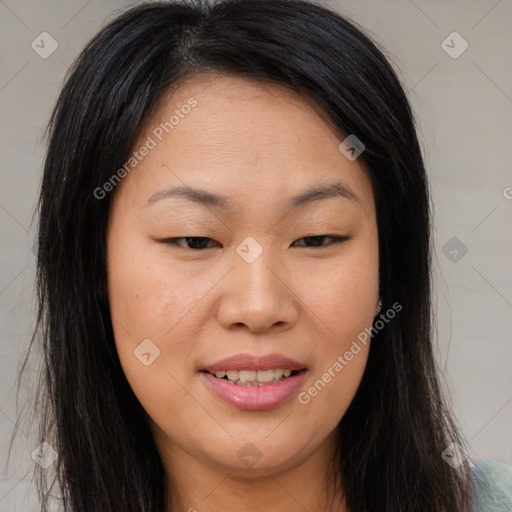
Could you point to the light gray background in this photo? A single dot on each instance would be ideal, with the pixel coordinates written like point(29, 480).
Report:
point(464, 111)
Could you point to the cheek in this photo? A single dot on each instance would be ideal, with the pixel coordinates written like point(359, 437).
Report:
point(147, 294)
point(149, 337)
point(151, 300)
point(340, 354)
point(343, 297)
point(342, 293)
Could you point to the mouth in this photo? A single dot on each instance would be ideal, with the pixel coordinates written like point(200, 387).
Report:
point(255, 383)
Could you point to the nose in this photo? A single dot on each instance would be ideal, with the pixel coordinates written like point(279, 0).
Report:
point(257, 296)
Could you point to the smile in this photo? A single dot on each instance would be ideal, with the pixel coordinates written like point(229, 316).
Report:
point(254, 382)
point(255, 377)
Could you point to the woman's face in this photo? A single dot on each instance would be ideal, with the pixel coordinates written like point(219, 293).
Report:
point(237, 163)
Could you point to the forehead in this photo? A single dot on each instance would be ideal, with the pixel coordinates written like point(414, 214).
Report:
point(241, 113)
point(242, 135)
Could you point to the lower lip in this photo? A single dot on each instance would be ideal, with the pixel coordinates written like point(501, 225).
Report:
point(256, 398)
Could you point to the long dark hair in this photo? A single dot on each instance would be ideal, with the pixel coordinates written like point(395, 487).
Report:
point(392, 436)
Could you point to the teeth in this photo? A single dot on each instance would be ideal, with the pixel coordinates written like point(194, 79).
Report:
point(253, 377)
point(265, 376)
point(247, 375)
point(279, 373)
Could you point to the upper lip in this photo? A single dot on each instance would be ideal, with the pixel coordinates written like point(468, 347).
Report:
point(255, 362)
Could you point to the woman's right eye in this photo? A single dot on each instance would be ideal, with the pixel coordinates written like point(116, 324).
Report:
point(194, 242)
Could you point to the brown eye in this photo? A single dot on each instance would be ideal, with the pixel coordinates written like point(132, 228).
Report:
point(316, 240)
point(193, 242)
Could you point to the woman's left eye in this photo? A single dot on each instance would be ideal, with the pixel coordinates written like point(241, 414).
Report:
point(316, 240)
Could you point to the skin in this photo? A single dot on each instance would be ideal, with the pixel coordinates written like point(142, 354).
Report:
point(258, 144)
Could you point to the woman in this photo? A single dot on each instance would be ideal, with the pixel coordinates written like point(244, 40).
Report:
point(234, 272)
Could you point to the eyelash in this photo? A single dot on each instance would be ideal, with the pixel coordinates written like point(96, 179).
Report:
point(335, 239)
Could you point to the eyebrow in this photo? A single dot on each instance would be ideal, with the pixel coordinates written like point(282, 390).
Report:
point(323, 191)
